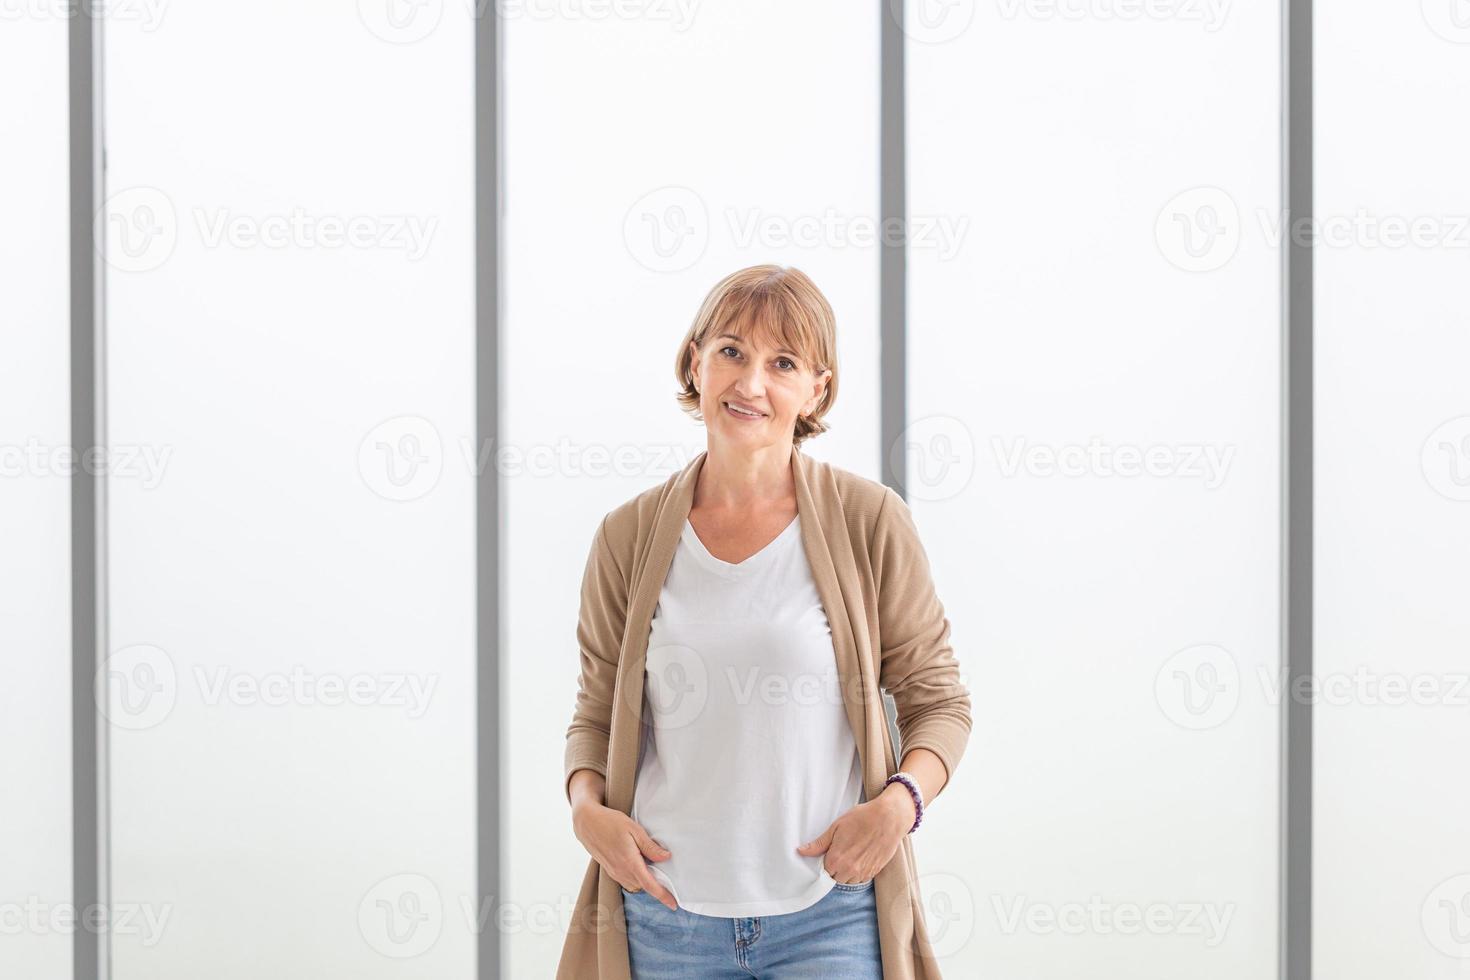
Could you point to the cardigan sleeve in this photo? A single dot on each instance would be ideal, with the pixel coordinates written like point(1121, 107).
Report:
point(918, 665)
point(604, 607)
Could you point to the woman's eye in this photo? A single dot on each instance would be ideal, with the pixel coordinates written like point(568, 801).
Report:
point(724, 349)
point(790, 366)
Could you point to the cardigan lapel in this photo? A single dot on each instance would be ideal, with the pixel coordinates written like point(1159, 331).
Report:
point(812, 508)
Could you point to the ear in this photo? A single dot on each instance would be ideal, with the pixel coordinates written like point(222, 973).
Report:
point(820, 388)
point(694, 363)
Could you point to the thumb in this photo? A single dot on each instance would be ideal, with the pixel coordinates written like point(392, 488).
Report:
point(651, 848)
point(819, 845)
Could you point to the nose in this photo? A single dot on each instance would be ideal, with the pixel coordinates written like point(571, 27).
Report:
point(751, 382)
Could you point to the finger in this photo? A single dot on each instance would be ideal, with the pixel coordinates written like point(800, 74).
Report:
point(651, 885)
point(819, 845)
point(651, 848)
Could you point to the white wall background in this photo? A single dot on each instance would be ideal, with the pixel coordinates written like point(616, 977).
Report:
point(291, 332)
point(35, 503)
point(1093, 387)
point(1392, 859)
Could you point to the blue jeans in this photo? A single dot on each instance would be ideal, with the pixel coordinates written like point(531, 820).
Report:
point(836, 937)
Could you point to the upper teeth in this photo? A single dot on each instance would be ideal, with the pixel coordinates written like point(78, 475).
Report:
point(743, 411)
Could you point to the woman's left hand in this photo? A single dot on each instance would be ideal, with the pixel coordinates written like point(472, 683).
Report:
point(861, 842)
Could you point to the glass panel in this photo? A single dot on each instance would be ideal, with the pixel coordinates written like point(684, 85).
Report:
point(291, 289)
point(650, 152)
point(1391, 855)
point(36, 901)
point(1093, 452)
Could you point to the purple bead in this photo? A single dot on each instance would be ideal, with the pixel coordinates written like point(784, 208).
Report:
point(903, 777)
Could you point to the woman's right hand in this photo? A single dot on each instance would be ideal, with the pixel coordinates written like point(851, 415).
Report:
point(619, 843)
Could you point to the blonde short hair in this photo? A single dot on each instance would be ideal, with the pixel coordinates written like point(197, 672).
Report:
point(783, 304)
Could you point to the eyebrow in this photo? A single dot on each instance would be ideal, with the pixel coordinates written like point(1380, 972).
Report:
point(779, 350)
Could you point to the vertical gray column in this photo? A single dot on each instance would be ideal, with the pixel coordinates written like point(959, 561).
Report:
point(1296, 504)
point(487, 482)
point(892, 251)
point(88, 489)
point(892, 275)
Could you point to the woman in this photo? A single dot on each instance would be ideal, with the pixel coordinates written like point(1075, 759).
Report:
point(728, 763)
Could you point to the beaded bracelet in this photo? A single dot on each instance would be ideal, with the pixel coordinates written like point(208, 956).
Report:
point(913, 788)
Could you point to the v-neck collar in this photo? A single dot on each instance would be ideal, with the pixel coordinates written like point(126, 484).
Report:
point(737, 569)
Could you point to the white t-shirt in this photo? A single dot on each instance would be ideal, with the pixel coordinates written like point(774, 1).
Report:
point(746, 752)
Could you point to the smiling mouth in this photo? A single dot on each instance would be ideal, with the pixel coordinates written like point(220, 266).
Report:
point(740, 413)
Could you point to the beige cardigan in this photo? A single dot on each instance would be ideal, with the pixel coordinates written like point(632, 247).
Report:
point(888, 629)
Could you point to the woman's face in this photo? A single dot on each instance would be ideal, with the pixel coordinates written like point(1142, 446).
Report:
point(754, 373)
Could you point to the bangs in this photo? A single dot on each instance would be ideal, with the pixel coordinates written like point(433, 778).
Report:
point(775, 318)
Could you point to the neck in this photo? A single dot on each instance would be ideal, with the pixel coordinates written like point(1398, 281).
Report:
point(731, 478)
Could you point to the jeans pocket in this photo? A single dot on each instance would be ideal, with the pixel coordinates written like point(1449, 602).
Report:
point(859, 886)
